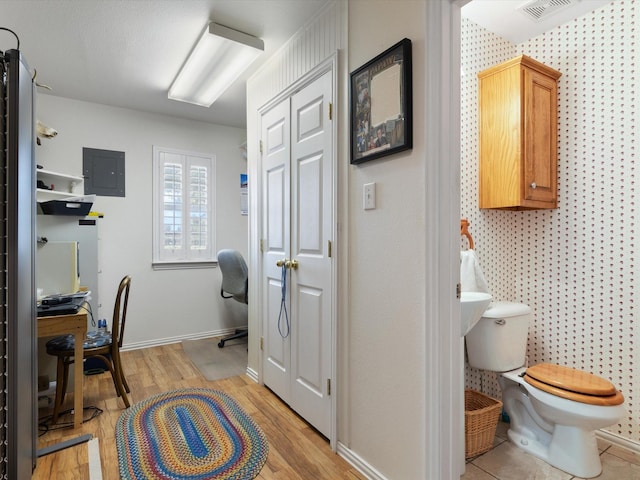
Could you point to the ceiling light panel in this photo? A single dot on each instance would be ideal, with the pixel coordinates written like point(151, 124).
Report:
point(221, 55)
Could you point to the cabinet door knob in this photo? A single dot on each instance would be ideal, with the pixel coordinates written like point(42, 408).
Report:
point(533, 185)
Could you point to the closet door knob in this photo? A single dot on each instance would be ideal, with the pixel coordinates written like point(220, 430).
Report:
point(533, 185)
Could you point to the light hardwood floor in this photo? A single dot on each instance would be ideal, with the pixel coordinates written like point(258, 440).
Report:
point(296, 451)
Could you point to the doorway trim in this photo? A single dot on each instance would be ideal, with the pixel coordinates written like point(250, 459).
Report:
point(444, 435)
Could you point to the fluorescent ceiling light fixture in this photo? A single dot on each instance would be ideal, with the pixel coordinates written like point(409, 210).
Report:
point(218, 59)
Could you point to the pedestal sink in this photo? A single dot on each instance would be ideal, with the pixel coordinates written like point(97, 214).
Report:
point(472, 306)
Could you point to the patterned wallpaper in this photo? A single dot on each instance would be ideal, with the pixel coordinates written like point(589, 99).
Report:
point(576, 266)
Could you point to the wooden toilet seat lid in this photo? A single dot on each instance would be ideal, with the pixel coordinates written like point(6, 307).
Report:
point(573, 384)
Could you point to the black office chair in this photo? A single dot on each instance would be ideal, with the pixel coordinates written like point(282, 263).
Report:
point(235, 283)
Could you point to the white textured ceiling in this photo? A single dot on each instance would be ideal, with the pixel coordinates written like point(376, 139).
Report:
point(126, 53)
point(504, 18)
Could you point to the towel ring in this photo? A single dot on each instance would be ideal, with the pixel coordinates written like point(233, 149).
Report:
point(464, 231)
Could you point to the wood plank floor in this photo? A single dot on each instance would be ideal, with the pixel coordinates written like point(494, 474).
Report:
point(296, 451)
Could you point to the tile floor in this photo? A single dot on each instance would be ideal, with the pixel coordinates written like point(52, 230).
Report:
point(505, 461)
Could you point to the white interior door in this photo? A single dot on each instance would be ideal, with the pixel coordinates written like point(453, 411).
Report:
point(311, 230)
point(276, 246)
point(298, 221)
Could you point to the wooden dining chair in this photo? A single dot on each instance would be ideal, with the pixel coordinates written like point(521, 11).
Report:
point(103, 347)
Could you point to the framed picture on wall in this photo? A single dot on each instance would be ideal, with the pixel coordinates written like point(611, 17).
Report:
point(381, 105)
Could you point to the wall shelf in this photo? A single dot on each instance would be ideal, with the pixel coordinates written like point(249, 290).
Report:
point(65, 185)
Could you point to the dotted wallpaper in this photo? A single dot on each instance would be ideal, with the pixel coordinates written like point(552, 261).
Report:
point(576, 266)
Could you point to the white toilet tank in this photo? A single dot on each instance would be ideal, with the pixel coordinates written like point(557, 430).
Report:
point(498, 342)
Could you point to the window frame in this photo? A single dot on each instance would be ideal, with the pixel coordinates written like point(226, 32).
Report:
point(162, 260)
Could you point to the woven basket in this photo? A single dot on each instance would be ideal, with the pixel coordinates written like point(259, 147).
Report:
point(481, 415)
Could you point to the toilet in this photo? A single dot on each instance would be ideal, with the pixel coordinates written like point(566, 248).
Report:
point(554, 410)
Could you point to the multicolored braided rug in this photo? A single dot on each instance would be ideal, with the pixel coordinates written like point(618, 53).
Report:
point(189, 434)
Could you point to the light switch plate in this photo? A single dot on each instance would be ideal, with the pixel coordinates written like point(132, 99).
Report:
point(369, 196)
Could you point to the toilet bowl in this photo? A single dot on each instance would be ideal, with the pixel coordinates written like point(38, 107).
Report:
point(555, 429)
point(554, 410)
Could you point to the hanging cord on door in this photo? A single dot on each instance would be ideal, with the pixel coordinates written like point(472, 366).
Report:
point(283, 305)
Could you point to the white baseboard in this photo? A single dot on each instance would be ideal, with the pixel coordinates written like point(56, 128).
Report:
point(253, 375)
point(95, 466)
point(359, 463)
point(180, 338)
point(618, 441)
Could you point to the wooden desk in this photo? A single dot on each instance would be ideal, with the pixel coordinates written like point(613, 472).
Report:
point(75, 324)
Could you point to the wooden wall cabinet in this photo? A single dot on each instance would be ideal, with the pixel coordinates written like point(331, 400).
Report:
point(518, 135)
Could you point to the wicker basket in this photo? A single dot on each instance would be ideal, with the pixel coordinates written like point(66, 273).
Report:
point(481, 415)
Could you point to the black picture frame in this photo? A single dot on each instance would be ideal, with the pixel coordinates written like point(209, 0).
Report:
point(381, 105)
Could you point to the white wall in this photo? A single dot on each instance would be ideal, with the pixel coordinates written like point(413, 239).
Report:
point(318, 41)
point(399, 359)
point(386, 320)
point(164, 305)
point(385, 387)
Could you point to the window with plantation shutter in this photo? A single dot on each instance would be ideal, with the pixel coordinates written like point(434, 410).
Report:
point(184, 213)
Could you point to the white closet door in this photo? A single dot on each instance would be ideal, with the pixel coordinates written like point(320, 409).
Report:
point(276, 207)
point(297, 175)
point(311, 229)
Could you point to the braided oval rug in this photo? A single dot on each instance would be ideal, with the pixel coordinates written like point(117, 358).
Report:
point(189, 434)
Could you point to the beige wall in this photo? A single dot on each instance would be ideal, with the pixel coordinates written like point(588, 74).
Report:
point(577, 265)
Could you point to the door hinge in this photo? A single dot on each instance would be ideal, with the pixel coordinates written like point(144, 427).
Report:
point(328, 387)
point(260, 146)
point(458, 290)
point(329, 252)
point(261, 343)
point(330, 111)
point(262, 245)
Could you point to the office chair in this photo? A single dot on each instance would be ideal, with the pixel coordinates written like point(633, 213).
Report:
point(105, 348)
point(235, 282)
